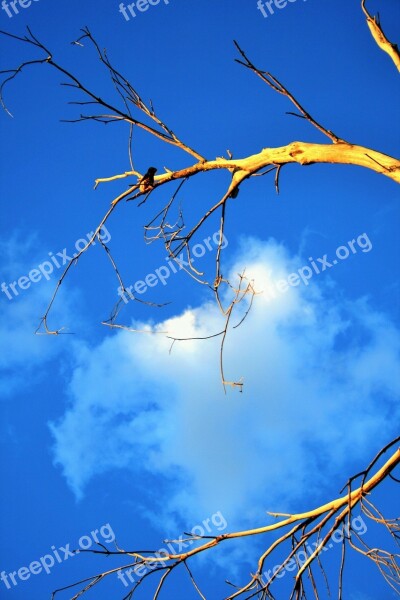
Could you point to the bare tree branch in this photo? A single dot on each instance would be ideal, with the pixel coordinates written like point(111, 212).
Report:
point(303, 153)
point(380, 38)
point(317, 526)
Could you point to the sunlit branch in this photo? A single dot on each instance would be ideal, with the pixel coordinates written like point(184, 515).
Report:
point(380, 38)
point(321, 522)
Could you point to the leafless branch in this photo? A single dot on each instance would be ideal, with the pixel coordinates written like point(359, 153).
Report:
point(380, 38)
point(277, 86)
point(176, 237)
point(316, 528)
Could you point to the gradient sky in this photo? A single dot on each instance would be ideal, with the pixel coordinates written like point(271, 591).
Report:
point(105, 429)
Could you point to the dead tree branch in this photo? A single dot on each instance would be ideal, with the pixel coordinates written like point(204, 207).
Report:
point(176, 236)
point(310, 532)
point(380, 38)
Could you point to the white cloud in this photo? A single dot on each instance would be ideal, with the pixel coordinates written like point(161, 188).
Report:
point(320, 383)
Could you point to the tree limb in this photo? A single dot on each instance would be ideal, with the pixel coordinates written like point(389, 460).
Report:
point(333, 513)
point(380, 38)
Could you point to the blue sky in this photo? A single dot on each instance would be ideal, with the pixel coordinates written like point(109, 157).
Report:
point(106, 430)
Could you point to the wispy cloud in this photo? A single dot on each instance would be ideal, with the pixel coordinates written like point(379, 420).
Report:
point(21, 351)
point(320, 382)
